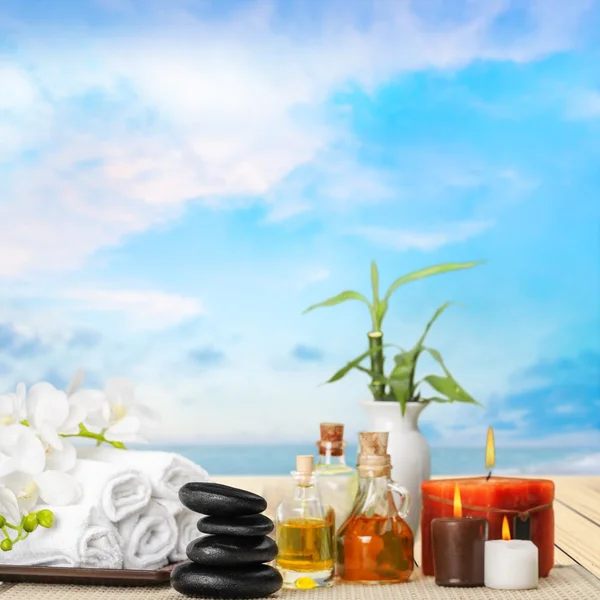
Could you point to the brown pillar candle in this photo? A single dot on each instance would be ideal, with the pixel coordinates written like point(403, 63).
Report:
point(458, 551)
point(458, 546)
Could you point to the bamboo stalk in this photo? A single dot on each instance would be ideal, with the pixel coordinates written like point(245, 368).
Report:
point(377, 360)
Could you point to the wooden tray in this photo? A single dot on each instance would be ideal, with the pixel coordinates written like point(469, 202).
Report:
point(113, 577)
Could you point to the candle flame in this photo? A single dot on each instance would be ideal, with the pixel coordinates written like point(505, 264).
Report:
point(505, 529)
point(490, 450)
point(457, 503)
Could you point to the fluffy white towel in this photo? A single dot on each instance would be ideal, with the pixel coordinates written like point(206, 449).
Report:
point(167, 471)
point(118, 491)
point(80, 537)
point(148, 537)
point(187, 531)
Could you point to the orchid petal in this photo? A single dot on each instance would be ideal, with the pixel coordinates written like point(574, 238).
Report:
point(47, 404)
point(21, 444)
point(62, 460)
point(21, 392)
point(49, 435)
point(128, 424)
point(77, 415)
point(90, 400)
point(59, 489)
point(96, 420)
point(24, 488)
point(120, 390)
point(9, 507)
point(151, 417)
point(8, 465)
point(7, 408)
point(76, 381)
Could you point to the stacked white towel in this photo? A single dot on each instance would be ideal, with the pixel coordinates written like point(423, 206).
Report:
point(167, 471)
point(81, 537)
point(117, 490)
point(187, 531)
point(148, 537)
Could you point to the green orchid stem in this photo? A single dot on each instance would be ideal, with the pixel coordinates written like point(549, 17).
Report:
point(99, 437)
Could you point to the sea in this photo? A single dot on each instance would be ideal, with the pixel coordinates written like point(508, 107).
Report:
point(280, 460)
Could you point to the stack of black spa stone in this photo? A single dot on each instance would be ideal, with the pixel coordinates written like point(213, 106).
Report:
point(228, 562)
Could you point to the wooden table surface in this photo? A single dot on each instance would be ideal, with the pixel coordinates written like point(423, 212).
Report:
point(576, 511)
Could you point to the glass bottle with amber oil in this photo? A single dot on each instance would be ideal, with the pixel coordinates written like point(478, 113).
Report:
point(375, 545)
point(337, 481)
point(305, 533)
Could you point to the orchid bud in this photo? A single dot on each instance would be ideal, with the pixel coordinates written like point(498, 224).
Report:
point(30, 523)
point(45, 518)
point(6, 545)
point(119, 445)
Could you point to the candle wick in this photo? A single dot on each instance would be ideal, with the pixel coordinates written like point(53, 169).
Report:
point(489, 475)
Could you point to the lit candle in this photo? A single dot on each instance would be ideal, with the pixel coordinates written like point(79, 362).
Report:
point(458, 547)
point(511, 564)
point(528, 502)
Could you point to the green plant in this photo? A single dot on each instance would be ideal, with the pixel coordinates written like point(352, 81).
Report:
point(400, 385)
point(28, 523)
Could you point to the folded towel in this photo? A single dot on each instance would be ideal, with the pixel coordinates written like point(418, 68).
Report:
point(81, 537)
point(167, 471)
point(187, 531)
point(118, 491)
point(148, 537)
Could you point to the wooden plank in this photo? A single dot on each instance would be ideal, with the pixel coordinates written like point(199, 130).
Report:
point(581, 494)
point(577, 538)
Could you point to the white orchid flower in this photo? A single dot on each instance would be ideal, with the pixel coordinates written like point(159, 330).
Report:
point(12, 406)
point(20, 450)
point(50, 413)
point(52, 487)
point(9, 506)
point(120, 417)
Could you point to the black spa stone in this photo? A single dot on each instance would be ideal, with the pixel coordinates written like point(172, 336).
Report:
point(231, 551)
point(251, 525)
point(218, 500)
point(258, 581)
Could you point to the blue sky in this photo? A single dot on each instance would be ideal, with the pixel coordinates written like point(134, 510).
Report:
point(182, 179)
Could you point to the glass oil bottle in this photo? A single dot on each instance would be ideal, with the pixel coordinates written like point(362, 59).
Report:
point(305, 533)
point(375, 545)
point(337, 481)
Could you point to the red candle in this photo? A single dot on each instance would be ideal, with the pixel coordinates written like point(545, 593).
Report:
point(493, 498)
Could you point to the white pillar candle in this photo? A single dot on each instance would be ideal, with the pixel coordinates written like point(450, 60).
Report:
point(511, 565)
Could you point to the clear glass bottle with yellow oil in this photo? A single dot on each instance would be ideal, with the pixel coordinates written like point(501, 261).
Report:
point(305, 533)
point(375, 545)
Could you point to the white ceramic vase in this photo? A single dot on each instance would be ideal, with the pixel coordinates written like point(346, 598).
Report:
point(407, 447)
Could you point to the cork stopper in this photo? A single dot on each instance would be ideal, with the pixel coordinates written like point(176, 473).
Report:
point(373, 459)
point(305, 464)
point(332, 439)
point(304, 469)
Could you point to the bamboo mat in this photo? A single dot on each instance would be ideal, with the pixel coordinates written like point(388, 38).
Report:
point(564, 583)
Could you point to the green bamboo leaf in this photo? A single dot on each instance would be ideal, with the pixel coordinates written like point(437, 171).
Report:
point(342, 297)
point(433, 319)
point(380, 312)
point(448, 387)
point(428, 272)
point(375, 282)
point(353, 364)
point(401, 390)
point(436, 399)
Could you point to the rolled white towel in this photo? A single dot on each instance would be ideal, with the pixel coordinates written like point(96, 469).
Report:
point(167, 471)
point(81, 537)
point(148, 537)
point(118, 491)
point(187, 531)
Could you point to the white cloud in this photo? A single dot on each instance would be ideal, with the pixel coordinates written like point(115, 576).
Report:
point(424, 240)
point(584, 105)
point(209, 110)
point(147, 309)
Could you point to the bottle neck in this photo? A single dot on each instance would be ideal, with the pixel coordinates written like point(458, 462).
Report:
point(305, 486)
point(329, 459)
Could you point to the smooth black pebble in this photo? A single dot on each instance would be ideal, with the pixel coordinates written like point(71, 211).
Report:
point(251, 525)
point(230, 551)
point(218, 500)
point(258, 581)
